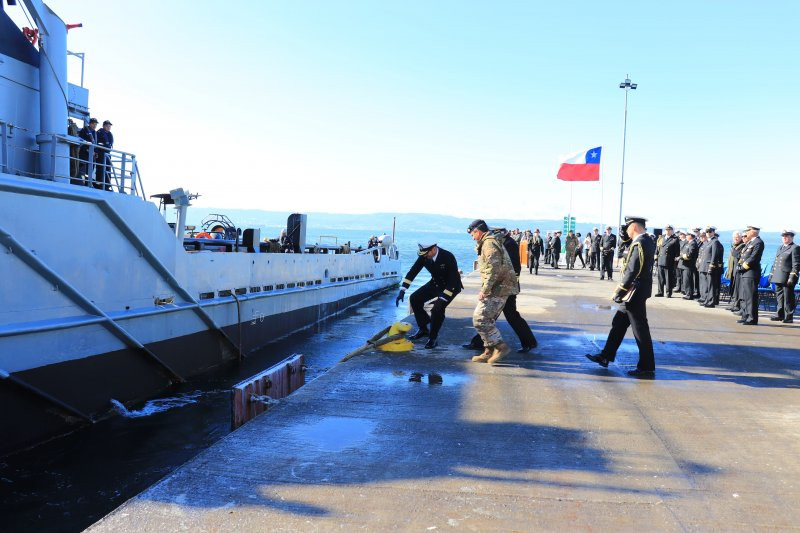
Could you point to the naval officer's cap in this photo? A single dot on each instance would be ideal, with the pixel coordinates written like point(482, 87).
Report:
point(478, 223)
point(710, 229)
point(668, 226)
point(787, 232)
point(640, 220)
point(425, 247)
point(754, 228)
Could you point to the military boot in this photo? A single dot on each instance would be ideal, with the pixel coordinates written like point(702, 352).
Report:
point(499, 353)
point(482, 358)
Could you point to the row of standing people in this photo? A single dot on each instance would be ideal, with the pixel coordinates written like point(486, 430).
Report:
point(692, 263)
point(104, 141)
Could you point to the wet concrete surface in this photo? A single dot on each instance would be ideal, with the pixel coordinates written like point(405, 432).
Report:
point(547, 441)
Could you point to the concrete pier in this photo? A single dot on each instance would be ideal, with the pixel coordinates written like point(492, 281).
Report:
point(549, 441)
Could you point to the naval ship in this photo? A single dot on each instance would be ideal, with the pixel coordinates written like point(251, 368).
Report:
point(130, 305)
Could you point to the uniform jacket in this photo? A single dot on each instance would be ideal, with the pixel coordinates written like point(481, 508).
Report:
point(787, 261)
point(637, 271)
point(733, 259)
point(596, 242)
point(105, 138)
point(555, 245)
point(497, 271)
point(608, 242)
point(572, 244)
point(668, 251)
point(535, 245)
point(689, 251)
point(444, 273)
point(750, 260)
point(710, 256)
point(87, 135)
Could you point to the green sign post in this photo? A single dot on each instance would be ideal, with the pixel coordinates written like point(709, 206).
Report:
point(569, 225)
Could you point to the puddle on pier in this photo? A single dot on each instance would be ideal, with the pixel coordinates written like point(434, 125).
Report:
point(335, 433)
point(402, 377)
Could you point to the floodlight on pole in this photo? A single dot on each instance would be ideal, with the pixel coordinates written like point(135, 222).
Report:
point(627, 86)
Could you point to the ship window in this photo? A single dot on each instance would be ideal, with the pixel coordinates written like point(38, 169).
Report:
point(280, 286)
point(255, 289)
point(290, 285)
point(318, 282)
point(224, 293)
point(241, 290)
point(267, 287)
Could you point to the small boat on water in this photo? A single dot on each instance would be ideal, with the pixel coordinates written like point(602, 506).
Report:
point(129, 304)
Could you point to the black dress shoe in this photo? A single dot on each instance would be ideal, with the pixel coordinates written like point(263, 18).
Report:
point(659, 294)
point(776, 318)
point(688, 298)
point(434, 379)
point(528, 348)
point(642, 374)
point(750, 323)
point(472, 346)
point(431, 344)
point(421, 332)
point(599, 359)
point(669, 295)
point(710, 306)
point(788, 320)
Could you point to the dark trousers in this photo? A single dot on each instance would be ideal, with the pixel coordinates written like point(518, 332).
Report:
point(417, 300)
point(688, 282)
point(696, 276)
point(101, 180)
point(748, 291)
point(607, 264)
point(714, 281)
point(679, 279)
point(595, 260)
point(555, 255)
point(666, 279)
point(736, 291)
point(784, 295)
point(703, 287)
point(586, 259)
point(517, 323)
point(578, 255)
point(533, 263)
point(633, 314)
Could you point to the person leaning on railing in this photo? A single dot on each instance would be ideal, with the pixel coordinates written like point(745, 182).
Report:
point(89, 134)
point(105, 139)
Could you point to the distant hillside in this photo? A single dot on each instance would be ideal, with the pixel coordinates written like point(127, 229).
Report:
point(373, 222)
point(417, 222)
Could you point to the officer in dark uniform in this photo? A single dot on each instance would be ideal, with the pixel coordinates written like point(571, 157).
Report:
point(714, 275)
point(515, 320)
point(784, 276)
point(703, 260)
point(667, 253)
point(89, 134)
point(607, 245)
point(678, 265)
point(555, 249)
point(444, 285)
point(737, 245)
point(689, 264)
point(105, 139)
point(699, 241)
point(750, 268)
point(631, 295)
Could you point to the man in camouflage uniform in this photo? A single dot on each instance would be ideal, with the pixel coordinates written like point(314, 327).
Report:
point(498, 282)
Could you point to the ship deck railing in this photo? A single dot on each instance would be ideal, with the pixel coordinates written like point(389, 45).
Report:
point(121, 168)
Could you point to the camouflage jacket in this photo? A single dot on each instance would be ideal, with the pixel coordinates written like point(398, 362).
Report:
point(497, 273)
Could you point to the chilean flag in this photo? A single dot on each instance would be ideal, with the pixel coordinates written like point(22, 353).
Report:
point(583, 166)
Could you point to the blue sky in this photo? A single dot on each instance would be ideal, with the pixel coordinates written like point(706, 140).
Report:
point(461, 108)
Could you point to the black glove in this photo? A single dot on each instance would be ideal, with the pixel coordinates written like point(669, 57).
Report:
point(400, 297)
point(740, 268)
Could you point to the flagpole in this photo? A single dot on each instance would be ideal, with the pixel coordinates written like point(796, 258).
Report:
point(627, 85)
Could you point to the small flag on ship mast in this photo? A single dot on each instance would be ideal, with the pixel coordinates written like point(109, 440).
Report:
point(583, 166)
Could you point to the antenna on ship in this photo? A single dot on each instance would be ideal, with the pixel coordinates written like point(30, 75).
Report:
point(394, 220)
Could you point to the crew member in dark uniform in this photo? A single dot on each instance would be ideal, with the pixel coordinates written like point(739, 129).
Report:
point(699, 241)
point(703, 260)
point(444, 285)
point(555, 249)
point(737, 245)
point(750, 267)
point(515, 320)
point(678, 264)
point(631, 295)
point(689, 264)
point(535, 245)
point(105, 139)
point(784, 276)
point(667, 253)
point(607, 245)
point(717, 252)
point(89, 134)
point(595, 246)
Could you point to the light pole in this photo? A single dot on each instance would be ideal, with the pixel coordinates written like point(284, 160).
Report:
point(627, 85)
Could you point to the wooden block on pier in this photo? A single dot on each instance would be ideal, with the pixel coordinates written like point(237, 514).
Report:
point(249, 397)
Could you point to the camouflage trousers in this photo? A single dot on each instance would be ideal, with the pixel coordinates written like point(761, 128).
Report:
point(485, 316)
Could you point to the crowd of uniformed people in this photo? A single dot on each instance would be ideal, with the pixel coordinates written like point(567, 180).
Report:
point(691, 263)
